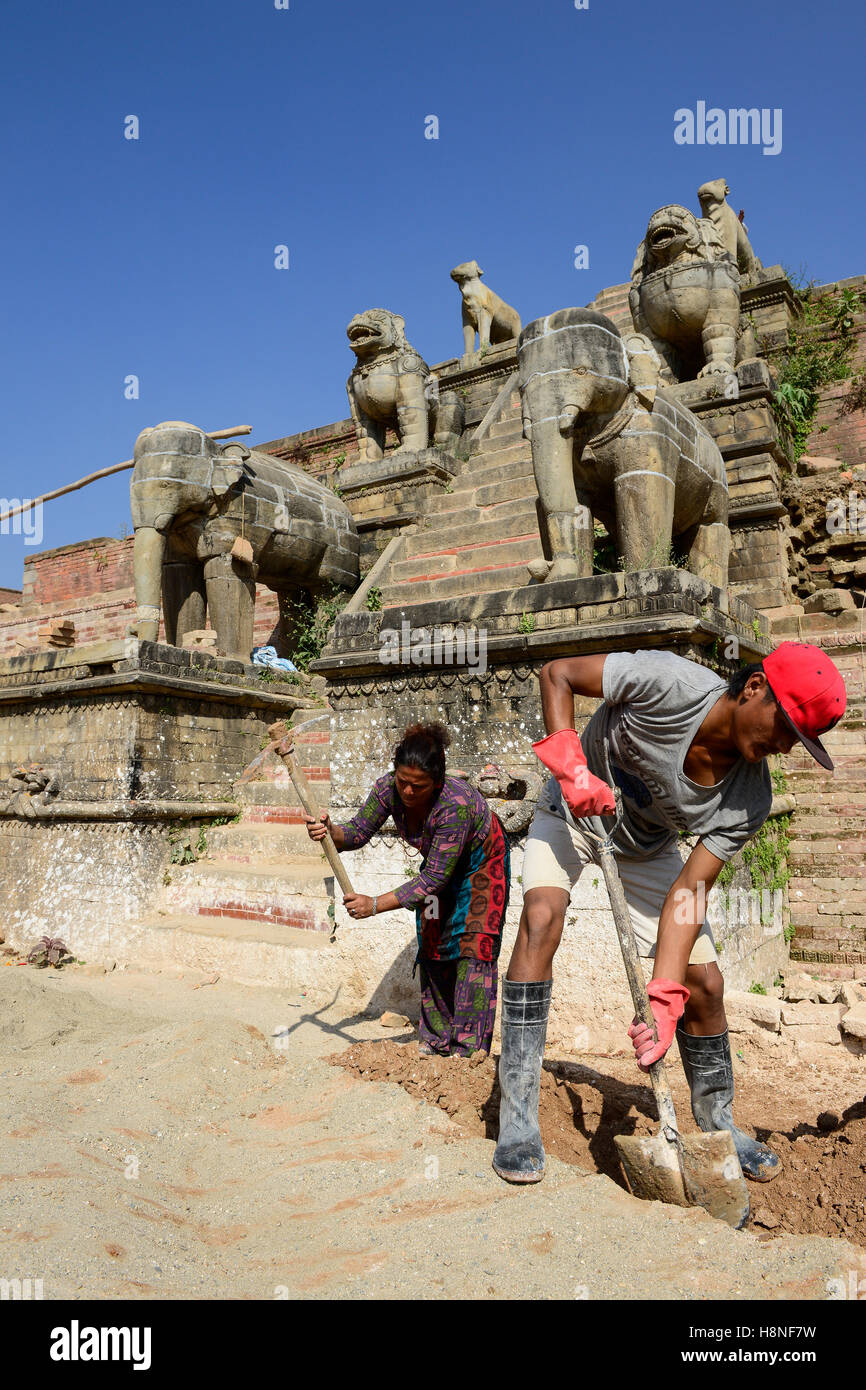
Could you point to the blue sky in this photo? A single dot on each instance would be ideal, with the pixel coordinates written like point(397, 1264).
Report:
point(305, 127)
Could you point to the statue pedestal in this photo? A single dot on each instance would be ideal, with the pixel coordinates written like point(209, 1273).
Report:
point(738, 413)
point(391, 493)
point(137, 739)
point(473, 660)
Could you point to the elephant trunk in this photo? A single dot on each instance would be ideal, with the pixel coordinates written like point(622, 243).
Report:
point(148, 555)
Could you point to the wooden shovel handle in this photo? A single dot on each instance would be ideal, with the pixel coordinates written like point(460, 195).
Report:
point(305, 796)
point(634, 974)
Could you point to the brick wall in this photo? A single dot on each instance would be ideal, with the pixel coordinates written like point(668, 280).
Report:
point(827, 853)
point(91, 583)
point(838, 433)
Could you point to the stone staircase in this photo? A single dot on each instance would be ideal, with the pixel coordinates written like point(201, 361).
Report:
point(259, 900)
point(480, 537)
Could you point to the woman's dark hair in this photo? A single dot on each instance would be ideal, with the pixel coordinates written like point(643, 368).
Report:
point(423, 747)
point(737, 683)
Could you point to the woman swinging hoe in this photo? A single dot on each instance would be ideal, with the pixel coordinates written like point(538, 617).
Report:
point(460, 894)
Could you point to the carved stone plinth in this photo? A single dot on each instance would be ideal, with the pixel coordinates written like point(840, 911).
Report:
point(391, 493)
point(102, 750)
point(737, 411)
point(473, 661)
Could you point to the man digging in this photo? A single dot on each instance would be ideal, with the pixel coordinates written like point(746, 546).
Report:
point(688, 752)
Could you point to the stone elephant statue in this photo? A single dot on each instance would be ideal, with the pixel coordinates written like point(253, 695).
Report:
point(210, 521)
point(608, 442)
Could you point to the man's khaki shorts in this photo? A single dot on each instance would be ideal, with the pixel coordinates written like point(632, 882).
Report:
point(556, 856)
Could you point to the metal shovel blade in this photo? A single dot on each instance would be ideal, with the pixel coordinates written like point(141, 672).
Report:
point(691, 1170)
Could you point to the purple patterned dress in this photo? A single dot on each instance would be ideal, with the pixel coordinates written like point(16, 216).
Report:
point(460, 897)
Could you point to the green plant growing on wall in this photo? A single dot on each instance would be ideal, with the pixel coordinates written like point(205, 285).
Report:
point(855, 398)
point(820, 350)
point(756, 988)
point(374, 598)
point(766, 854)
point(313, 621)
point(604, 556)
point(180, 839)
point(526, 623)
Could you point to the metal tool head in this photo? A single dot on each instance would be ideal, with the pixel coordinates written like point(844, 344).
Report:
point(280, 731)
point(687, 1170)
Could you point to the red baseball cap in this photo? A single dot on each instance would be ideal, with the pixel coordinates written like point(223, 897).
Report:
point(809, 691)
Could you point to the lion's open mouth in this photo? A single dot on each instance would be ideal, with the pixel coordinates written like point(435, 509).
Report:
point(663, 236)
point(360, 332)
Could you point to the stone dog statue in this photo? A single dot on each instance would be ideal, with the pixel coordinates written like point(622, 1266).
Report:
point(392, 386)
point(685, 294)
point(210, 521)
point(483, 311)
point(609, 443)
point(713, 198)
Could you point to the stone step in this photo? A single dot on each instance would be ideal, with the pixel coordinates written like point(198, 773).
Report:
point(488, 555)
point(247, 951)
point(520, 489)
point(279, 792)
point(293, 894)
point(488, 457)
point(481, 475)
point(431, 539)
point(509, 422)
point(258, 841)
point(480, 581)
point(456, 504)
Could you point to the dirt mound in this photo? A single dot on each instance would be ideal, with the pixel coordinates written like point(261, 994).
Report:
point(580, 1110)
point(822, 1190)
point(36, 1014)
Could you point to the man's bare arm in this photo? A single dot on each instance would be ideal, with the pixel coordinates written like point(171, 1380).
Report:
point(683, 913)
point(564, 678)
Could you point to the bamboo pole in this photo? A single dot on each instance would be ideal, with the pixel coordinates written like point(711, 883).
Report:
point(104, 473)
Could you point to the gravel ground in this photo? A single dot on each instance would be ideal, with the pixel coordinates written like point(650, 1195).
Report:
point(163, 1137)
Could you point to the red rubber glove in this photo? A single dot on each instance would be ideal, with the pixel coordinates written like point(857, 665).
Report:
point(585, 794)
point(667, 999)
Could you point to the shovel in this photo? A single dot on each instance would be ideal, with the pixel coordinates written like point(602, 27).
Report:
point(684, 1170)
point(280, 733)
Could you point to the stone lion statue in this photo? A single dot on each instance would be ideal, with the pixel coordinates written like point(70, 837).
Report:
point(392, 386)
point(685, 294)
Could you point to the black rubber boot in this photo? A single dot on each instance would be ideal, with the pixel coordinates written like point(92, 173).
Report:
point(707, 1064)
point(519, 1155)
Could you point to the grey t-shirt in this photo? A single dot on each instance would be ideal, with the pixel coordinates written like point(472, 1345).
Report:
point(654, 704)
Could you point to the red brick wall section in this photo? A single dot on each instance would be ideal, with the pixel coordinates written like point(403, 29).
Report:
point(838, 434)
point(827, 853)
point(92, 583)
point(77, 571)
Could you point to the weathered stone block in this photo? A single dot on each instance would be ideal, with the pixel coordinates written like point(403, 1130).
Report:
point(758, 1009)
